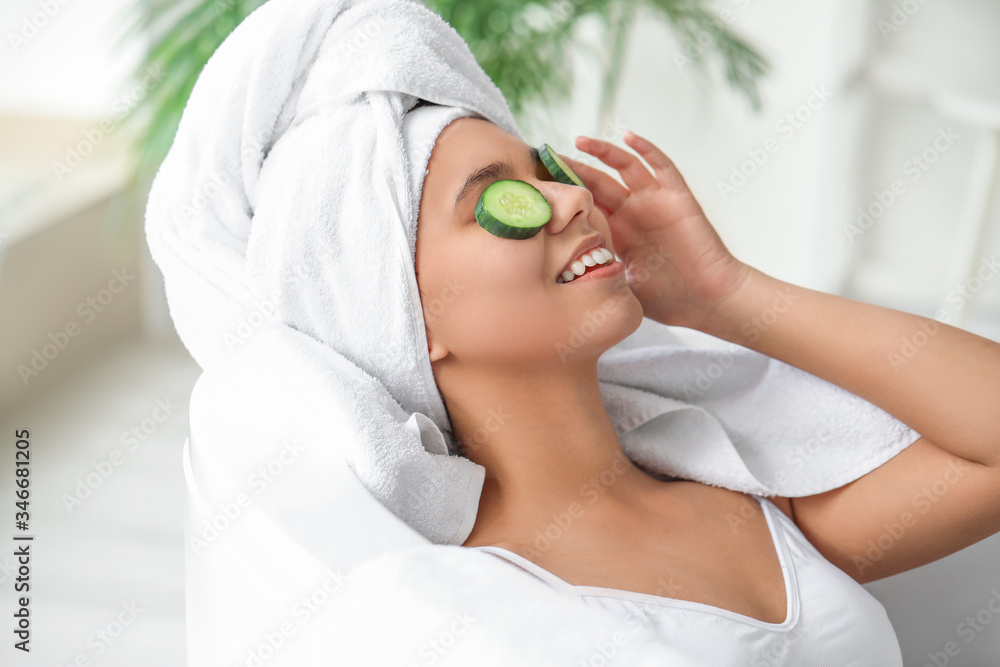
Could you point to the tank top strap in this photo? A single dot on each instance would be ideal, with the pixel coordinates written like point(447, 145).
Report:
point(789, 531)
point(777, 516)
point(784, 531)
point(776, 521)
point(519, 560)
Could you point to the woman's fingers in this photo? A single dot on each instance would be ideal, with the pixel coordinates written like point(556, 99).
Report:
point(633, 172)
point(608, 193)
point(661, 164)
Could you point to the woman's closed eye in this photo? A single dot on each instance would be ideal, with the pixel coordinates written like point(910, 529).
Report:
point(540, 172)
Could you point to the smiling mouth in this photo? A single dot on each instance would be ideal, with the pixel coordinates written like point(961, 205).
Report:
point(585, 263)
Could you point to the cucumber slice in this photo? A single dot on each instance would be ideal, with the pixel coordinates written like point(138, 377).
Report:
point(512, 209)
point(558, 167)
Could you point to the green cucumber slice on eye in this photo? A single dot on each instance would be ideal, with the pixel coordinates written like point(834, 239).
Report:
point(512, 209)
point(558, 167)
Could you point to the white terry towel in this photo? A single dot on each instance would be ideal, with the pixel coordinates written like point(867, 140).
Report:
point(286, 194)
point(292, 562)
point(284, 222)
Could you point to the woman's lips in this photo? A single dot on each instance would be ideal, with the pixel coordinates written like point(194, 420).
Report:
point(609, 270)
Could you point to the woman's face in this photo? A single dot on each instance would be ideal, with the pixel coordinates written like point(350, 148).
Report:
point(492, 301)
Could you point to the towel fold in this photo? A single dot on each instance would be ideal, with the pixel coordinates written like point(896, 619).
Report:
point(289, 180)
point(284, 220)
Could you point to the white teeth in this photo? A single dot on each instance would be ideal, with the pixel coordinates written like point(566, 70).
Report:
point(579, 266)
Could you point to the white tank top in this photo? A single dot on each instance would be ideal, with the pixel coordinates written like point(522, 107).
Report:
point(831, 620)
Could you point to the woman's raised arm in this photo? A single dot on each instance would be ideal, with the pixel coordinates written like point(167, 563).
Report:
point(940, 494)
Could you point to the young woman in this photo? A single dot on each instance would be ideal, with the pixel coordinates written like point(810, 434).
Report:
point(502, 343)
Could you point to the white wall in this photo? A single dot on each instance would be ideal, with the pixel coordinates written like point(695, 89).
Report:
point(789, 217)
point(773, 220)
point(941, 49)
point(58, 57)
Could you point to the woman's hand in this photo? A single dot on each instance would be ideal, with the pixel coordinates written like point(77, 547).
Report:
point(675, 262)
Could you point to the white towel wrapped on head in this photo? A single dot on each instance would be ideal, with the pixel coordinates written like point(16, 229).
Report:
point(291, 183)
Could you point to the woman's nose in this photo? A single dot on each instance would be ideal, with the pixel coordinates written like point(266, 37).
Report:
point(567, 202)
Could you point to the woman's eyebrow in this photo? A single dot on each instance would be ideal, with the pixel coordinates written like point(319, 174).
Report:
point(492, 171)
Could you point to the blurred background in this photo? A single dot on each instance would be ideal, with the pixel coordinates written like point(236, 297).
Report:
point(850, 147)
